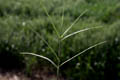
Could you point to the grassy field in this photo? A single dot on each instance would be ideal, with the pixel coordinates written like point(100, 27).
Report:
point(18, 19)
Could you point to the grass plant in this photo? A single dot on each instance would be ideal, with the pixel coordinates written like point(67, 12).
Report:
point(61, 38)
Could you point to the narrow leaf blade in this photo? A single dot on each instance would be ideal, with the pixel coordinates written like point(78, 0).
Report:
point(74, 33)
point(52, 50)
point(53, 25)
point(81, 53)
point(43, 57)
point(62, 20)
point(73, 23)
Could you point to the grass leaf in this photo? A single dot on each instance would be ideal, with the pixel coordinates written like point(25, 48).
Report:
point(62, 22)
point(43, 57)
point(52, 50)
point(73, 23)
point(53, 25)
point(74, 33)
point(81, 53)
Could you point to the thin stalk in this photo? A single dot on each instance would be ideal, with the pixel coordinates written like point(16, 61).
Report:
point(59, 54)
point(59, 47)
point(58, 71)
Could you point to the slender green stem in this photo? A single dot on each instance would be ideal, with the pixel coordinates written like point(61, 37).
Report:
point(58, 70)
point(59, 47)
point(59, 53)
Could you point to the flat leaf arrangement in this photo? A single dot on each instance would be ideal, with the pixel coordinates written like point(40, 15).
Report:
point(61, 38)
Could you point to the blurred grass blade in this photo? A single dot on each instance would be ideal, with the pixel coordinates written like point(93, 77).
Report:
point(73, 23)
point(43, 57)
point(62, 22)
point(74, 33)
point(53, 25)
point(81, 53)
point(52, 50)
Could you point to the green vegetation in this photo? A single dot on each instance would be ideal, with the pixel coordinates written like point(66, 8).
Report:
point(18, 19)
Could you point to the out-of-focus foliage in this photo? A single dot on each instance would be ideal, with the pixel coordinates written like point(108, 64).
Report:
point(18, 18)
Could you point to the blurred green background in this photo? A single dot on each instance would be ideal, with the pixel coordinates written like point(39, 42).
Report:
point(100, 63)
